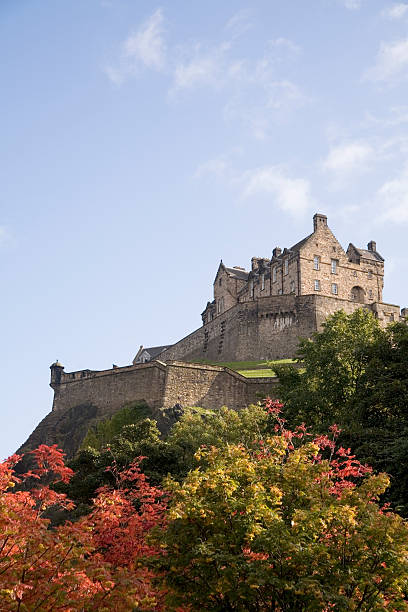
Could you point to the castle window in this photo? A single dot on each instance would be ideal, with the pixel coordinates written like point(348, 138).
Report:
point(370, 294)
point(316, 262)
point(334, 264)
point(317, 285)
point(335, 289)
point(251, 288)
point(220, 282)
point(370, 274)
point(262, 282)
point(286, 266)
point(220, 305)
point(274, 274)
point(292, 286)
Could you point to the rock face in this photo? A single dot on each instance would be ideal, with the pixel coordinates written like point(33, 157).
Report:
point(83, 398)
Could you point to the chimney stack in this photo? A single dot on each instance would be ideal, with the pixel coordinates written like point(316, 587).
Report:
point(276, 252)
point(372, 246)
point(319, 221)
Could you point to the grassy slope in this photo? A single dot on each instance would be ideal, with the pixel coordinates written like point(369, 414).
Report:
point(251, 369)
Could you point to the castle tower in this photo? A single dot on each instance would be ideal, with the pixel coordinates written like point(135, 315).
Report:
point(57, 370)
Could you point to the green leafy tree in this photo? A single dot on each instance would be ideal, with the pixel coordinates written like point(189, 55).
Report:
point(278, 528)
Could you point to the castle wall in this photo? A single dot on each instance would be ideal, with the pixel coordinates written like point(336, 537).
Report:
point(111, 389)
point(160, 385)
point(83, 398)
point(266, 328)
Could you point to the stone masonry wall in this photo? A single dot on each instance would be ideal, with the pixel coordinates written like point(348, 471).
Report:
point(266, 328)
point(83, 398)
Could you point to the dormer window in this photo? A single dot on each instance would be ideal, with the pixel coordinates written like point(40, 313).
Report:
point(286, 266)
point(316, 262)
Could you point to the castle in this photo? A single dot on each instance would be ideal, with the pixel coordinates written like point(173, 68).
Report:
point(261, 314)
point(257, 314)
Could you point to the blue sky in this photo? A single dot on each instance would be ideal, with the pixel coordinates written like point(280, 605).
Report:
point(142, 142)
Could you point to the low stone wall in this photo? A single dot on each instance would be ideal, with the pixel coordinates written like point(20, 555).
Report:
point(83, 398)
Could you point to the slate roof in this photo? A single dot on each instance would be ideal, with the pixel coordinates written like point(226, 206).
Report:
point(373, 255)
point(299, 244)
point(154, 351)
point(240, 274)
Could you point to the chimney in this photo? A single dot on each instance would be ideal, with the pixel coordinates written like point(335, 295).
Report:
point(276, 252)
point(319, 221)
point(372, 246)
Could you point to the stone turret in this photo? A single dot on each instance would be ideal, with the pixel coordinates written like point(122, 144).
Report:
point(57, 370)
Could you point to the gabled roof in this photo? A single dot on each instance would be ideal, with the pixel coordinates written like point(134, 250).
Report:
point(154, 351)
point(299, 244)
point(237, 273)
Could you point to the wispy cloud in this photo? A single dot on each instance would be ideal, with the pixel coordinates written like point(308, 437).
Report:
point(396, 11)
point(256, 92)
point(292, 195)
point(347, 159)
point(352, 4)
point(143, 48)
point(289, 193)
point(393, 198)
point(239, 23)
point(391, 62)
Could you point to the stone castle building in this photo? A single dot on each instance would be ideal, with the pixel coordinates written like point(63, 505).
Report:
point(256, 314)
point(261, 313)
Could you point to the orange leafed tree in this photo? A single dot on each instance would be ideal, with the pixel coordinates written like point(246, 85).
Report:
point(94, 564)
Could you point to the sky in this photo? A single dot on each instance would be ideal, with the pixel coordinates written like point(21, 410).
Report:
point(140, 143)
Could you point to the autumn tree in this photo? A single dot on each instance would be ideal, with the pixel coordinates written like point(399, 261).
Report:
point(291, 523)
point(93, 564)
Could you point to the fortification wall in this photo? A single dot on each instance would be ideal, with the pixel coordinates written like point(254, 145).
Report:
point(85, 397)
point(266, 328)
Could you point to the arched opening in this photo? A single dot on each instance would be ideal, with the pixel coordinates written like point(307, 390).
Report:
point(357, 295)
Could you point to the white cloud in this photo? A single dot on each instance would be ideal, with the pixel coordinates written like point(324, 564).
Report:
point(396, 11)
point(349, 158)
point(239, 23)
point(393, 199)
point(391, 62)
point(291, 195)
point(352, 4)
point(285, 43)
point(204, 67)
point(4, 234)
point(144, 48)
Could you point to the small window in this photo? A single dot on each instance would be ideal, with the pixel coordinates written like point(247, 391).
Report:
point(334, 264)
point(316, 262)
point(354, 273)
point(280, 292)
point(251, 288)
point(317, 285)
point(370, 274)
point(274, 274)
point(292, 286)
point(262, 282)
point(370, 294)
point(286, 266)
point(220, 282)
point(335, 289)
